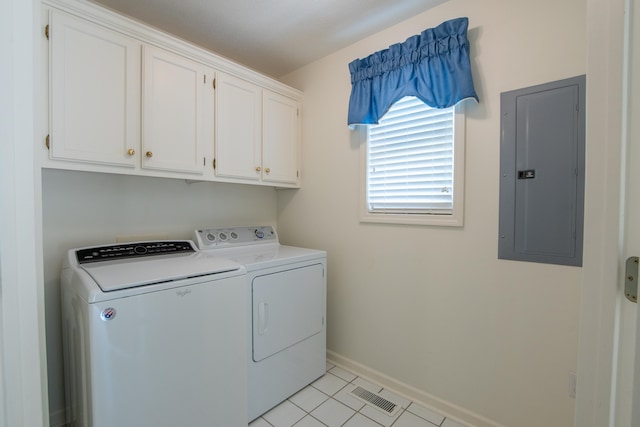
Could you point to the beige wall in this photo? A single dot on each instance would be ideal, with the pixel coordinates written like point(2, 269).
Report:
point(434, 307)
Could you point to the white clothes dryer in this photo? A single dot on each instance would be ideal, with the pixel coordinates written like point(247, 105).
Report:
point(153, 335)
point(286, 295)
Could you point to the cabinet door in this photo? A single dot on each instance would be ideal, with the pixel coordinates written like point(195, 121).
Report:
point(280, 138)
point(172, 118)
point(238, 126)
point(95, 93)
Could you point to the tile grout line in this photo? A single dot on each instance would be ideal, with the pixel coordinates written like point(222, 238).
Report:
point(355, 411)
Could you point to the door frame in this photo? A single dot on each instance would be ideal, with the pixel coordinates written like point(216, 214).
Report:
point(23, 371)
point(600, 273)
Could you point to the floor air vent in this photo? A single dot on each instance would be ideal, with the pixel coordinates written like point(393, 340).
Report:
point(376, 401)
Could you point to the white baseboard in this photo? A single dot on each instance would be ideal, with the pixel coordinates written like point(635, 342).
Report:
point(58, 419)
point(423, 398)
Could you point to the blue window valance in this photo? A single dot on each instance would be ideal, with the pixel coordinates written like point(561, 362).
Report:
point(432, 66)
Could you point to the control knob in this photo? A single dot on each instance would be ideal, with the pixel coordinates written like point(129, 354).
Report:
point(140, 250)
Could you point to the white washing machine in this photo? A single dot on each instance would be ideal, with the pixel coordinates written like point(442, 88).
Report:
point(286, 293)
point(154, 335)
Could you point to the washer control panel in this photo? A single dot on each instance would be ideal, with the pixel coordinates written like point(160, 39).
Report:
point(235, 236)
point(132, 250)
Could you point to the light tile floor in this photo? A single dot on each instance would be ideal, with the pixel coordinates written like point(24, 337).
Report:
point(328, 403)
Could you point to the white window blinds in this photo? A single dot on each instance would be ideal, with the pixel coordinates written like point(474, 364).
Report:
point(410, 160)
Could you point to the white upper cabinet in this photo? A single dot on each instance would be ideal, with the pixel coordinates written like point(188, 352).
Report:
point(280, 138)
point(257, 133)
point(238, 128)
point(94, 93)
point(126, 98)
point(173, 118)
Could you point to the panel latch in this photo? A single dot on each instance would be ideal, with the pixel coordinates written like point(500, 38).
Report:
point(527, 174)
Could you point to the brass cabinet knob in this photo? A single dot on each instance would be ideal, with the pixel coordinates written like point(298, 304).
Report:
point(131, 151)
point(258, 168)
point(149, 154)
point(267, 170)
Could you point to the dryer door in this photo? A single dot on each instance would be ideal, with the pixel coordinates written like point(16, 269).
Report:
point(288, 307)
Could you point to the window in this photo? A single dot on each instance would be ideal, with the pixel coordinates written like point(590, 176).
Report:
point(414, 166)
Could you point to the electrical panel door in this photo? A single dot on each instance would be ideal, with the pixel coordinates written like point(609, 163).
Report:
point(542, 173)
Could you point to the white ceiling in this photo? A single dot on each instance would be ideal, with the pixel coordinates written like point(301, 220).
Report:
point(271, 36)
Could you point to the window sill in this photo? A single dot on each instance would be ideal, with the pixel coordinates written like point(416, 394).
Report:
point(450, 220)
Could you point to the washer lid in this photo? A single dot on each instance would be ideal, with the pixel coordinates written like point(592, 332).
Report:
point(129, 273)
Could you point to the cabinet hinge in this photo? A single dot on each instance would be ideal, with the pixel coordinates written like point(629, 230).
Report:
point(46, 31)
point(214, 83)
point(47, 142)
point(204, 161)
point(214, 163)
point(204, 79)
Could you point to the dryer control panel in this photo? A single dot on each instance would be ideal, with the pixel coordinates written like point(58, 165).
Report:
point(235, 236)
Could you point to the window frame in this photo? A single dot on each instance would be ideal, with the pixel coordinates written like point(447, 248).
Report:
point(453, 219)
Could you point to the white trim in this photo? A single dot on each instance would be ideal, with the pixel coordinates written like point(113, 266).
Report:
point(23, 349)
point(448, 409)
point(602, 213)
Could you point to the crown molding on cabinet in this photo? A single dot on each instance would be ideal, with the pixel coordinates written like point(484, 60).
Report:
point(143, 32)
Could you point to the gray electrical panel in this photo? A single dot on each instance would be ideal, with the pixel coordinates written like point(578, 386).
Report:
point(542, 155)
